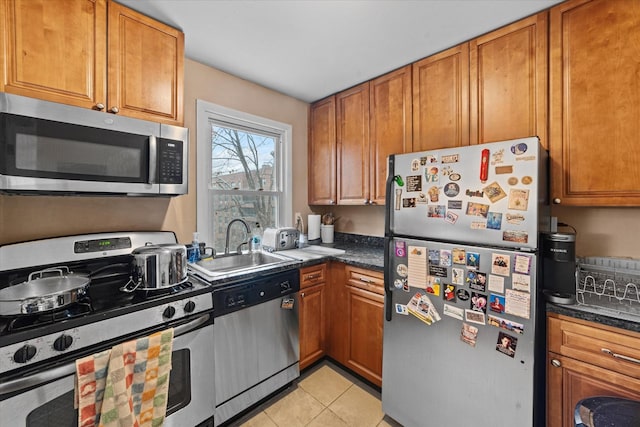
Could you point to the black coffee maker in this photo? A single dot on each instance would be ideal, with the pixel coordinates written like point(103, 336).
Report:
point(559, 267)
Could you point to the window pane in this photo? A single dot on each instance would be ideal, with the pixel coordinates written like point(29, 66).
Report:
point(259, 208)
point(242, 160)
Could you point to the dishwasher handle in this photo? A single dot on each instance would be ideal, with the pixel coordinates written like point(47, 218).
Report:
point(49, 375)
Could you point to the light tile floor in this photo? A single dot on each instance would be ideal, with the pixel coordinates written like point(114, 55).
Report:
point(323, 396)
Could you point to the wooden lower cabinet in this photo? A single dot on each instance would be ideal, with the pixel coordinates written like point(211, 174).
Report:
point(577, 368)
point(311, 314)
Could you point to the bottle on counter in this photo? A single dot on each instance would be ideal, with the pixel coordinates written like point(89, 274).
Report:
point(256, 240)
point(194, 254)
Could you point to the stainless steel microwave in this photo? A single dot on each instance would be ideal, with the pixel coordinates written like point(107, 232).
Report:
point(51, 148)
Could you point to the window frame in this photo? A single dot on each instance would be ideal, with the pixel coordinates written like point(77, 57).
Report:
point(207, 111)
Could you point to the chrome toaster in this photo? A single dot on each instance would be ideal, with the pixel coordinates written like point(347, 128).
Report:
point(280, 239)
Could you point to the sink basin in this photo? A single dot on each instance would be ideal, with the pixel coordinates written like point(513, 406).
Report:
point(239, 263)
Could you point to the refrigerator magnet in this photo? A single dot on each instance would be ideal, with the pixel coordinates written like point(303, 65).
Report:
point(500, 264)
point(512, 181)
point(469, 334)
point(414, 183)
point(434, 194)
point(436, 211)
point(452, 189)
point(478, 302)
point(503, 170)
point(451, 158)
point(506, 344)
point(462, 294)
point(522, 264)
point(496, 303)
point(496, 284)
point(481, 282)
point(505, 324)
point(409, 202)
point(445, 257)
point(526, 180)
point(401, 249)
point(497, 157)
point(415, 165)
point(437, 271)
point(398, 283)
point(478, 225)
point(517, 303)
point(421, 199)
point(515, 218)
point(428, 160)
point(457, 276)
point(521, 282)
point(473, 260)
point(474, 317)
point(402, 270)
point(477, 209)
point(454, 204)
point(451, 217)
point(434, 256)
point(433, 285)
point(459, 256)
point(518, 149)
point(449, 292)
point(454, 176)
point(432, 174)
point(453, 311)
point(515, 236)
point(518, 199)
point(494, 192)
point(494, 220)
point(402, 309)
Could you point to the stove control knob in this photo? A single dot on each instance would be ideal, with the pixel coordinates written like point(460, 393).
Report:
point(189, 307)
point(285, 286)
point(63, 342)
point(169, 312)
point(24, 353)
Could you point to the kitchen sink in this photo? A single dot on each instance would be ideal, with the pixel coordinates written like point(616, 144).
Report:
point(248, 262)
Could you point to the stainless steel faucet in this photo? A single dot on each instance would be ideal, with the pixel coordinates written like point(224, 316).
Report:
point(226, 242)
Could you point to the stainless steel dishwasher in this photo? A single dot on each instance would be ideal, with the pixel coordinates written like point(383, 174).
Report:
point(256, 349)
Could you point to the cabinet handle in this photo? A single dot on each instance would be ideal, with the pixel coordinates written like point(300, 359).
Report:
point(620, 356)
point(365, 280)
point(557, 201)
point(556, 363)
point(302, 295)
point(332, 202)
point(366, 201)
point(100, 106)
point(313, 276)
point(114, 110)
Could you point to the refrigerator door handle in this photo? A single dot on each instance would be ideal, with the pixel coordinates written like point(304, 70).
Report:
point(388, 294)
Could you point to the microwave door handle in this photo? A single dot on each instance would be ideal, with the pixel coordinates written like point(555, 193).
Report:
point(153, 159)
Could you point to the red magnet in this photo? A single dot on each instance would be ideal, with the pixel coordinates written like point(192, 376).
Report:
point(484, 165)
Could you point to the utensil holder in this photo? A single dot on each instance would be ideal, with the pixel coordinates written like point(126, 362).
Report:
point(326, 233)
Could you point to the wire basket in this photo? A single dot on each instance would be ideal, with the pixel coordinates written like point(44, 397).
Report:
point(609, 283)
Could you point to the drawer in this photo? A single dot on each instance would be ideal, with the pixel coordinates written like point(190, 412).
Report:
point(611, 348)
point(313, 275)
point(372, 281)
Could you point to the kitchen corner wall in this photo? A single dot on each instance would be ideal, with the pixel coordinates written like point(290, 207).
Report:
point(36, 217)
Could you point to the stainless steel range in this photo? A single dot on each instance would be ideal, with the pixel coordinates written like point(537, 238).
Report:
point(76, 305)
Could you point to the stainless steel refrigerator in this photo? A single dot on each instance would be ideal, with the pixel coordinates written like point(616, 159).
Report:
point(464, 333)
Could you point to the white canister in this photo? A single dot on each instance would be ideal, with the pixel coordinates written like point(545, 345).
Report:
point(326, 233)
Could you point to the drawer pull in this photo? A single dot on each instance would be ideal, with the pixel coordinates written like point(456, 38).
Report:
point(365, 280)
point(620, 356)
point(312, 276)
point(556, 363)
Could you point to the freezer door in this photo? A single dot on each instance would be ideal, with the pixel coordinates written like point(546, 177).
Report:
point(491, 194)
point(482, 362)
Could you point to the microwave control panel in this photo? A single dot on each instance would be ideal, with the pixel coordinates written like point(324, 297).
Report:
point(170, 154)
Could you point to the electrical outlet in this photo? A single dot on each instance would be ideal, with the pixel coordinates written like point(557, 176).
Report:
point(297, 217)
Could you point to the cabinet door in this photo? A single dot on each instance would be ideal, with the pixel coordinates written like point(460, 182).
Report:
point(508, 81)
point(312, 321)
point(54, 50)
point(146, 67)
point(322, 152)
point(595, 103)
point(337, 314)
point(390, 125)
point(352, 112)
point(441, 100)
point(570, 380)
point(366, 311)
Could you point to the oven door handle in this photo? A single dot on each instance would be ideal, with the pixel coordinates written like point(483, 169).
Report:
point(49, 375)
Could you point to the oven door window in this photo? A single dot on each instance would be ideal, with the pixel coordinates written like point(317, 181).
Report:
point(61, 413)
point(48, 149)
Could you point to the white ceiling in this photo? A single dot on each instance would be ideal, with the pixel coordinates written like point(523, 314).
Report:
point(310, 49)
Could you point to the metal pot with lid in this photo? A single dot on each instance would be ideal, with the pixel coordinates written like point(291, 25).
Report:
point(157, 267)
point(44, 290)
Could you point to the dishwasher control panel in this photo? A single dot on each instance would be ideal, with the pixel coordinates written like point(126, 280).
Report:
point(247, 293)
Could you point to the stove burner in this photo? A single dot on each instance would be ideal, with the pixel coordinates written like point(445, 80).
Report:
point(28, 321)
point(145, 295)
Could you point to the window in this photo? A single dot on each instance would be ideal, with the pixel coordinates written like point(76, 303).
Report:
point(244, 171)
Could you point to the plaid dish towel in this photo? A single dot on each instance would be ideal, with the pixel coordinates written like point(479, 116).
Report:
point(135, 387)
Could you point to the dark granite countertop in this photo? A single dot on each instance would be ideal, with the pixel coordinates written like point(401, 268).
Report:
point(597, 315)
point(361, 251)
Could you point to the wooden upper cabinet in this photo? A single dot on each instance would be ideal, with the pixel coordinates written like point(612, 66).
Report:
point(352, 124)
point(322, 152)
point(93, 54)
point(54, 50)
point(508, 82)
point(441, 100)
point(595, 103)
point(390, 127)
point(146, 66)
